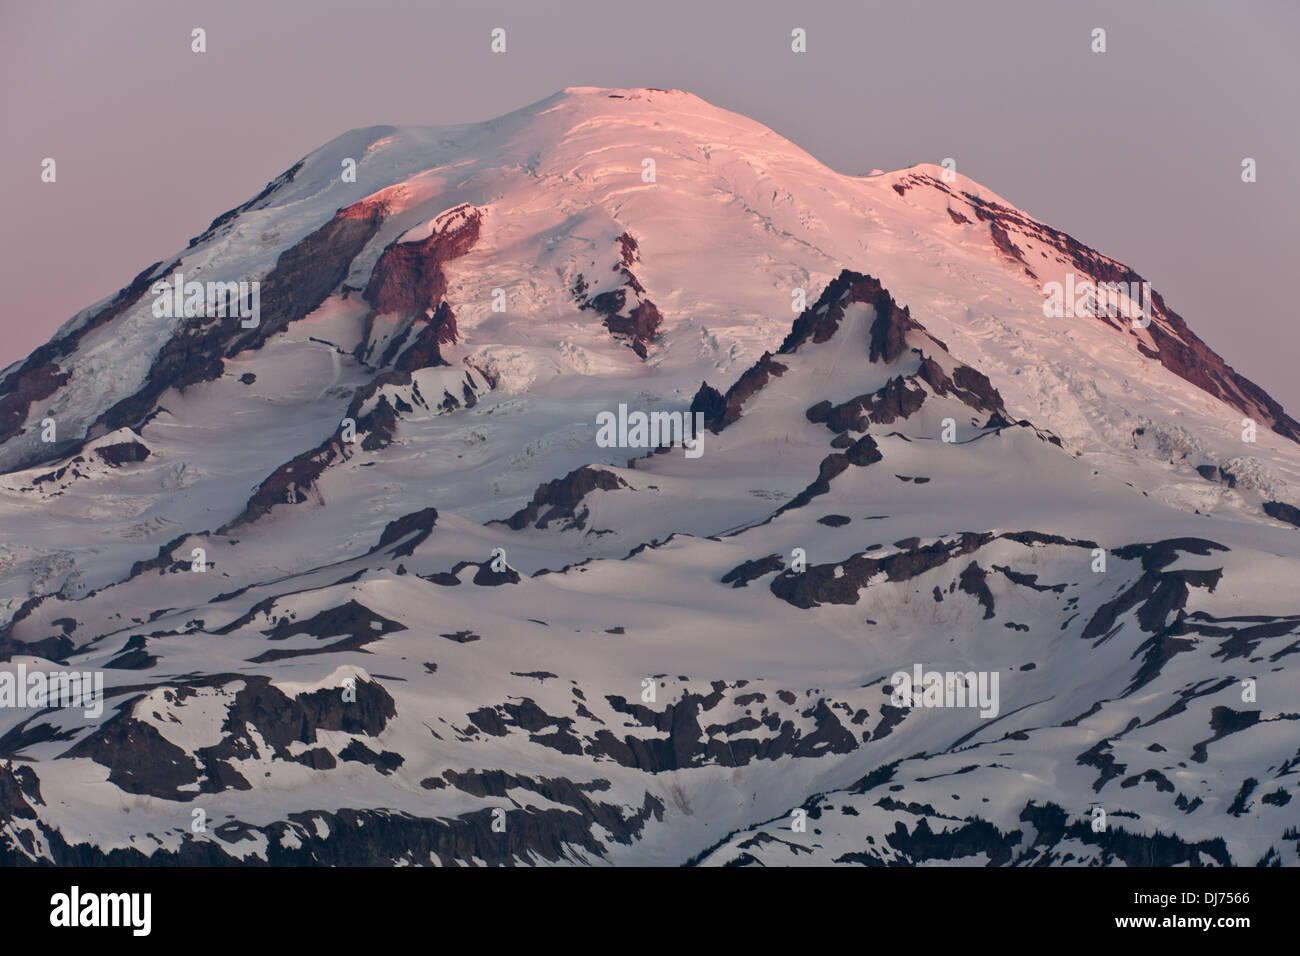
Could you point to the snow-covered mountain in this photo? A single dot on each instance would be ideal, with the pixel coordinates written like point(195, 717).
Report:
point(367, 583)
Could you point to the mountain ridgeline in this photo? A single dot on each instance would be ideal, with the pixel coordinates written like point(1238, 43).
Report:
point(354, 578)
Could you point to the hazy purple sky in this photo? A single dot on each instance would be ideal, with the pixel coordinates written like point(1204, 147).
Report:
point(1136, 151)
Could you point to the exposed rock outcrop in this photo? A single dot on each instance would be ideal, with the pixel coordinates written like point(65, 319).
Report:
point(407, 288)
point(625, 310)
point(561, 499)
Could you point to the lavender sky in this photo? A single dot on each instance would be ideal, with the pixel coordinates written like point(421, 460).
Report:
point(1136, 151)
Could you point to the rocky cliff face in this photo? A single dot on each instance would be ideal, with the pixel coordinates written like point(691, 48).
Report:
point(406, 291)
point(1174, 345)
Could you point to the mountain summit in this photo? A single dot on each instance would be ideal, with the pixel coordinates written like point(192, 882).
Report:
point(324, 504)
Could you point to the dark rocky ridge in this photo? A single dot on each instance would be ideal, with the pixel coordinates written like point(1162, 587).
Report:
point(303, 277)
point(142, 761)
point(681, 737)
point(818, 583)
point(641, 323)
point(293, 482)
point(1283, 512)
point(562, 497)
point(1178, 349)
point(416, 527)
point(367, 837)
point(122, 453)
point(408, 282)
point(40, 375)
point(257, 201)
point(887, 342)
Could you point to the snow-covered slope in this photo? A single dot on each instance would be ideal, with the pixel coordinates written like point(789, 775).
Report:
point(366, 584)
